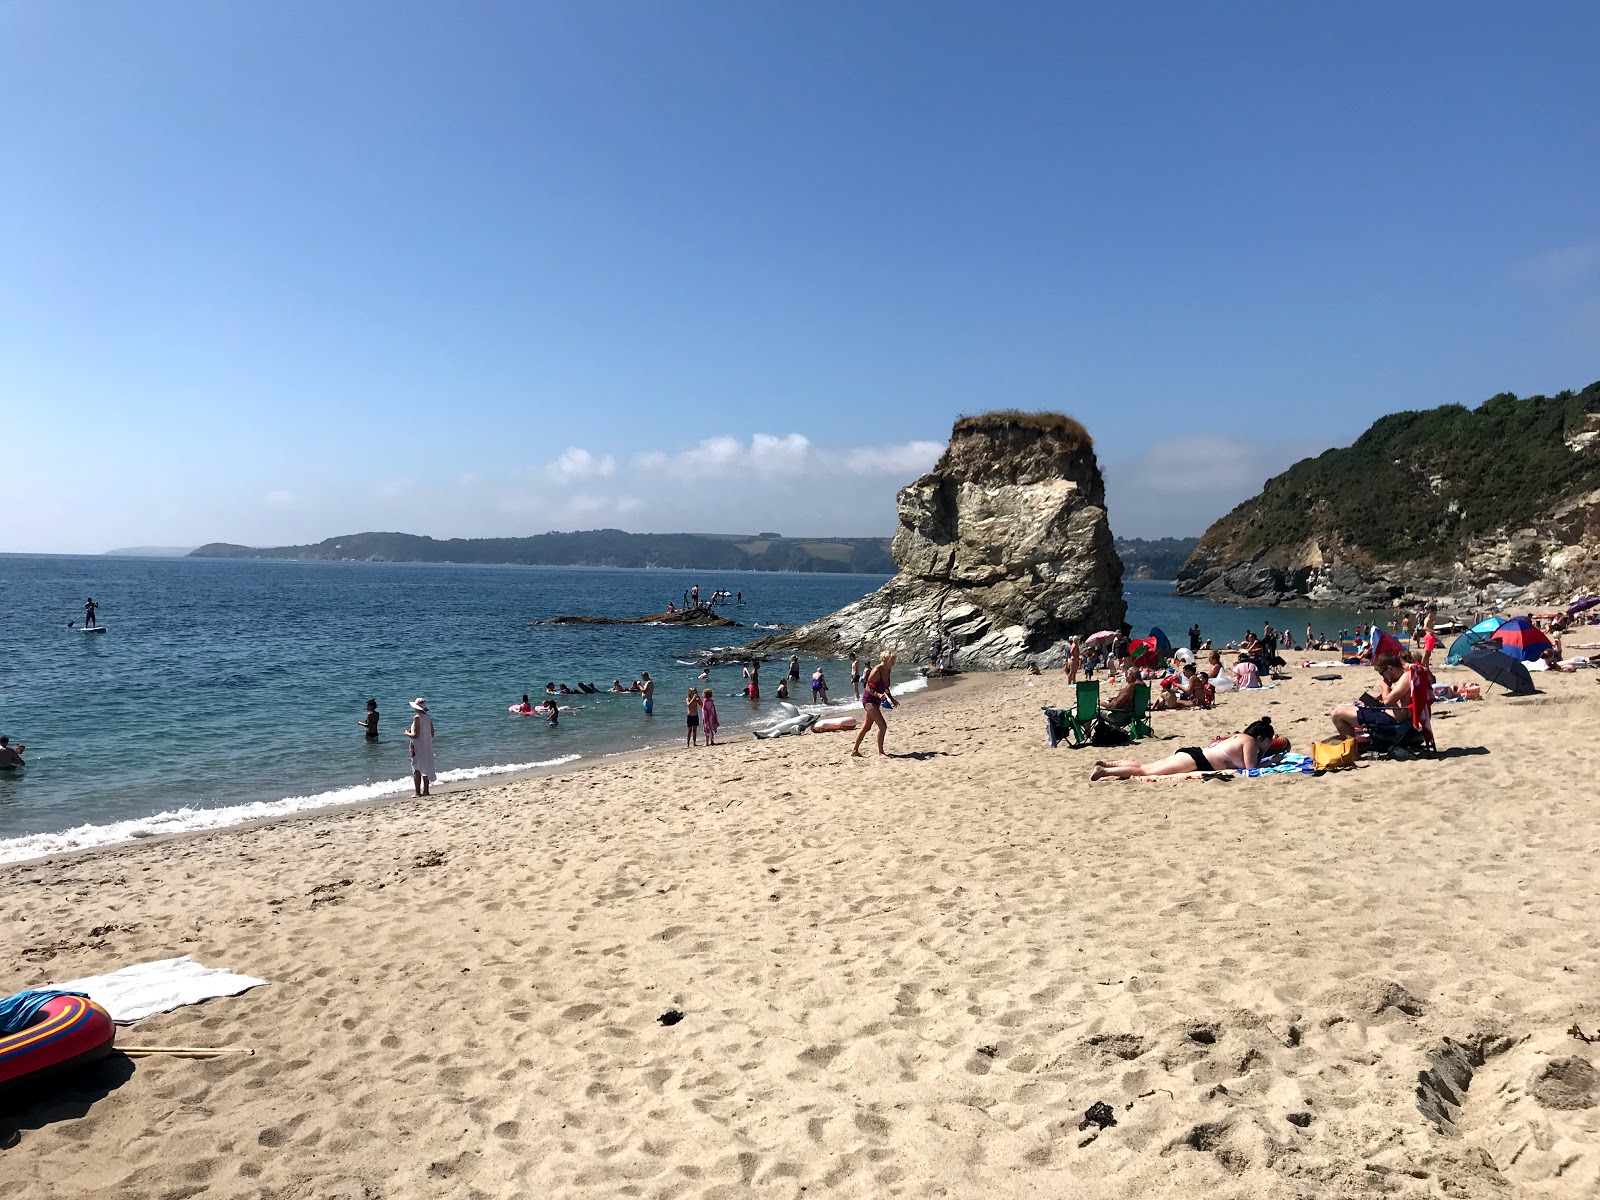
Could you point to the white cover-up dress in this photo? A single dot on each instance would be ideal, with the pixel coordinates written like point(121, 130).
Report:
point(422, 746)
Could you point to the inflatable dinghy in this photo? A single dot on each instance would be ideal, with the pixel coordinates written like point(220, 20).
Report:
point(69, 1032)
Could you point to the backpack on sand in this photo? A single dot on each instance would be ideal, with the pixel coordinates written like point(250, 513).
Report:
point(1106, 734)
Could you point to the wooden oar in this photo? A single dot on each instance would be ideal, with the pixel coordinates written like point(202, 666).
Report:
point(184, 1051)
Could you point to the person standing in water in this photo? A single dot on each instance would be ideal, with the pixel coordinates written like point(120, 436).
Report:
point(855, 673)
point(370, 721)
point(421, 735)
point(794, 668)
point(648, 691)
point(89, 607)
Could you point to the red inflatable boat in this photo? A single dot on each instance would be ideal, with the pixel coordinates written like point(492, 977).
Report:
point(70, 1032)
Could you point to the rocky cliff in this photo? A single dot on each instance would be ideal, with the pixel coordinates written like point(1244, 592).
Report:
point(1003, 546)
point(1451, 504)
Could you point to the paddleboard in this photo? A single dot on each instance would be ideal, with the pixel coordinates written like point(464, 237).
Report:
point(92, 629)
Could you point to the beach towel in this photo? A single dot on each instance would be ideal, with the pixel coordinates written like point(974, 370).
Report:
point(1422, 703)
point(1288, 764)
point(145, 989)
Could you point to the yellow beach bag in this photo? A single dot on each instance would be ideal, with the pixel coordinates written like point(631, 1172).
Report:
point(1331, 757)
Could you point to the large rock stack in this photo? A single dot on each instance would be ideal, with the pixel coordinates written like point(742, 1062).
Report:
point(1003, 546)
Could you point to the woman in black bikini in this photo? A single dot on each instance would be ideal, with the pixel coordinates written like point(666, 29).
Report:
point(874, 694)
point(1237, 752)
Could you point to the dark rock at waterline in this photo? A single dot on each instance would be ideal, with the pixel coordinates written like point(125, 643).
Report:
point(691, 616)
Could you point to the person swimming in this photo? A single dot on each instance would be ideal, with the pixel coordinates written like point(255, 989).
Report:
point(526, 706)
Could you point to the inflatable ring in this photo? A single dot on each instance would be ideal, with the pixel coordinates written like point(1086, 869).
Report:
point(71, 1032)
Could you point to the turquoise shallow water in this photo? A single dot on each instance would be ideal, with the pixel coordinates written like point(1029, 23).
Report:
point(226, 690)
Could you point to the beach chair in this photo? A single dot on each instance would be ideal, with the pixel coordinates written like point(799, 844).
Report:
point(1066, 724)
point(1139, 723)
point(1350, 651)
point(1082, 719)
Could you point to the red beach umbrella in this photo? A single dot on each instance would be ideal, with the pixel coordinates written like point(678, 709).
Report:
point(1521, 639)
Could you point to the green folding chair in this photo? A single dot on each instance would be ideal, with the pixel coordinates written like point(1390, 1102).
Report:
point(1139, 723)
point(1080, 721)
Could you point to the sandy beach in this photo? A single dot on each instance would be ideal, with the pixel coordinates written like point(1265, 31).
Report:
point(904, 977)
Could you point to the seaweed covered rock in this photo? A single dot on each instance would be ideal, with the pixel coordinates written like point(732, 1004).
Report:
point(1004, 547)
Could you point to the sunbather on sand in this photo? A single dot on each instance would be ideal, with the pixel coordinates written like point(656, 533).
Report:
point(1236, 752)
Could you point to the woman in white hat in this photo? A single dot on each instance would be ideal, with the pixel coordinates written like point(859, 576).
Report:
point(421, 735)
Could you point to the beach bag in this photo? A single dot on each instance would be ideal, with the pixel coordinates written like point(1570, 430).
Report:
point(1332, 758)
point(1470, 691)
point(1105, 733)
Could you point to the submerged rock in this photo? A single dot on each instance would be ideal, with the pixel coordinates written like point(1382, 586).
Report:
point(1003, 546)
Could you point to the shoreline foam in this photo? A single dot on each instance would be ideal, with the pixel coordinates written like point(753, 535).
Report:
point(190, 820)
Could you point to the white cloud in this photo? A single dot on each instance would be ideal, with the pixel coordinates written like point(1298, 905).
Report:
point(1563, 266)
point(793, 456)
point(909, 459)
point(1178, 486)
point(577, 464)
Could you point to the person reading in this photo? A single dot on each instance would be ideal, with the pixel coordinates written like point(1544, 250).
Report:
point(1387, 712)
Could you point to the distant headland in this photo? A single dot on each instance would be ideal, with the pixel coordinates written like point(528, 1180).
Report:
point(592, 548)
point(1142, 558)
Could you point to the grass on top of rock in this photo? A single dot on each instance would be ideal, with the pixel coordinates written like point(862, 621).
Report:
point(1418, 486)
point(1069, 428)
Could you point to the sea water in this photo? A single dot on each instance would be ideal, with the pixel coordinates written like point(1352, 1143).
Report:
point(227, 690)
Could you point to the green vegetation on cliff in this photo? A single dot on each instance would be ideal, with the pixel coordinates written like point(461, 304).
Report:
point(1416, 486)
point(593, 548)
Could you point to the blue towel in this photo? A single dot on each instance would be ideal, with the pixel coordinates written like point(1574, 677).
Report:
point(1288, 764)
point(22, 1010)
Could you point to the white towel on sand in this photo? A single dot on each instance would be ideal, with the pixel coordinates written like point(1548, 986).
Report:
point(157, 987)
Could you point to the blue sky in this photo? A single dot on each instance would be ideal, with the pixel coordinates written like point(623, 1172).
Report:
point(274, 272)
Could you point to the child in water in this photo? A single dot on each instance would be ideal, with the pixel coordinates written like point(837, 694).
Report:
point(692, 736)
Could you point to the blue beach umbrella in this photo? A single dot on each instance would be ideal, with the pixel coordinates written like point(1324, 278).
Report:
point(1163, 643)
point(1476, 636)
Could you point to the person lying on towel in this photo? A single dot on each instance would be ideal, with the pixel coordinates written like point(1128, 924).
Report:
point(1388, 711)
